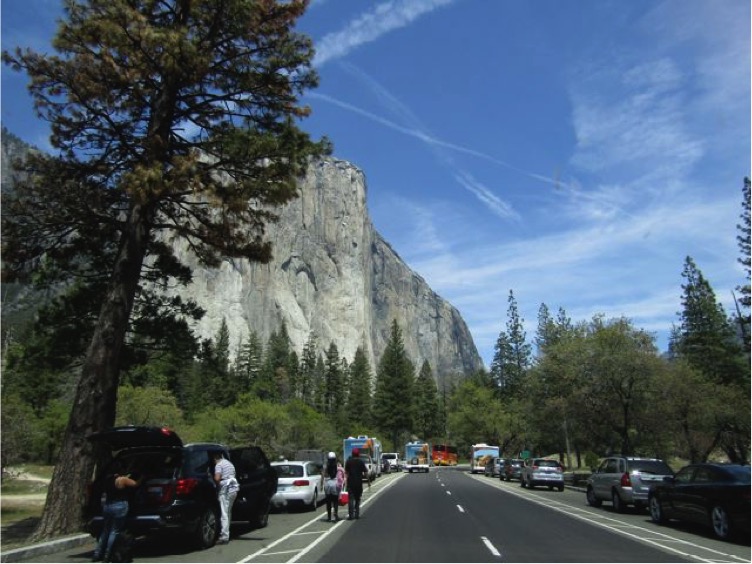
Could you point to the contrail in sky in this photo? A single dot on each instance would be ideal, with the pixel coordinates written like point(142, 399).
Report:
point(369, 26)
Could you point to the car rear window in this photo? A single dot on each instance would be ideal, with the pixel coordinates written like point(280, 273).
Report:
point(289, 470)
point(159, 464)
point(649, 467)
point(547, 463)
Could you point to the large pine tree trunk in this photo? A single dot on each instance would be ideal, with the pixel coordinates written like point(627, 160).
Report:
point(96, 394)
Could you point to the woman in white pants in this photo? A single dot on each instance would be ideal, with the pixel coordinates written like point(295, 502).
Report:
point(227, 491)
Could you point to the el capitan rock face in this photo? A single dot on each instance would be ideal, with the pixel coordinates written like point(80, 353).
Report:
point(332, 274)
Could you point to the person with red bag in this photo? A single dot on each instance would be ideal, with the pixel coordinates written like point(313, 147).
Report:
point(334, 477)
point(355, 471)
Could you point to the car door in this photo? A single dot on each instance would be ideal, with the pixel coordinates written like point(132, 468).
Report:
point(258, 483)
point(680, 494)
point(603, 476)
point(316, 475)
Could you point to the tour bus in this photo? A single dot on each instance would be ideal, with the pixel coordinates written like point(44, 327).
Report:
point(444, 455)
point(367, 445)
point(480, 455)
point(416, 456)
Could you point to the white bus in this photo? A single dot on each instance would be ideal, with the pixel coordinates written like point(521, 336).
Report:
point(417, 455)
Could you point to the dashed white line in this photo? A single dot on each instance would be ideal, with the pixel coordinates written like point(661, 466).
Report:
point(490, 546)
point(462, 509)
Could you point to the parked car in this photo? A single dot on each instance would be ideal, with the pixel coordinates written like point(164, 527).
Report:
point(512, 469)
point(493, 468)
point(625, 480)
point(717, 495)
point(299, 483)
point(542, 472)
point(177, 493)
point(391, 458)
point(371, 475)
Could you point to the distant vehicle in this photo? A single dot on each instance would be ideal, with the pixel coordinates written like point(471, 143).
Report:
point(480, 455)
point(392, 459)
point(493, 468)
point(717, 495)
point(625, 480)
point(370, 466)
point(177, 493)
point(512, 469)
point(416, 456)
point(542, 472)
point(367, 445)
point(301, 482)
point(444, 455)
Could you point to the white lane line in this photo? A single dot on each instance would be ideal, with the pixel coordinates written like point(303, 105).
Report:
point(642, 534)
point(263, 551)
point(449, 493)
point(490, 546)
point(310, 547)
point(462, 510)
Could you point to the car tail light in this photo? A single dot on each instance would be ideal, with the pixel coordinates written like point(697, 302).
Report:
point(185, 486)
point(625, 480)
point(301, 483)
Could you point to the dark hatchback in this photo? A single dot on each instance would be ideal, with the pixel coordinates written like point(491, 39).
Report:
point(512, 469)
point(177, 493)
point(717, 495)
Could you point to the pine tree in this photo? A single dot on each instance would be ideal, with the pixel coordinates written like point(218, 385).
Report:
point(334, 389)
point(707, 340)
point(512, 355)
point(153, 108)
point(306, 381)
point(249, 362)
point(359, 392)
point(393, 397)
point(743, 240)
point(426, 413)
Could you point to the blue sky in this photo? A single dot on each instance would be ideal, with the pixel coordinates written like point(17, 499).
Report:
point(573, 152)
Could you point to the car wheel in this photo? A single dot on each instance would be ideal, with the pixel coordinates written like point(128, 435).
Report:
point(207, 529)
point(550, 488)
point(314, 500)
point(720, 521)
point(561, 488)
point(616, 502)
point(656, 510)
point(592, 500)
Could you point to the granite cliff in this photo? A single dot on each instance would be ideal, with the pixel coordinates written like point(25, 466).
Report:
point(332, 274)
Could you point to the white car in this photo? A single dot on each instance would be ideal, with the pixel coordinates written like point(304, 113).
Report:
point(299, 483)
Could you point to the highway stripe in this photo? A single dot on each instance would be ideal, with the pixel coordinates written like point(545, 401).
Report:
point(462, 510)
point(490, 546)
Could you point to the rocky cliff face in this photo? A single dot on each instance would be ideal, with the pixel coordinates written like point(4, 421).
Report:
point(332, 274)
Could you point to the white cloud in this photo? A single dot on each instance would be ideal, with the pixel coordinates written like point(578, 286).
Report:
point(369, 26)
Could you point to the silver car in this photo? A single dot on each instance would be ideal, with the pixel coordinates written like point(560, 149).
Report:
point(625, 480)
point(542, 472)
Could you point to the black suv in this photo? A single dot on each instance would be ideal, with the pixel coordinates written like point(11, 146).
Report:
point(177, 493)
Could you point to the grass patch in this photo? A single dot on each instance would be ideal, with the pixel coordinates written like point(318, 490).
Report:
point(14, 513)
point(22, 487)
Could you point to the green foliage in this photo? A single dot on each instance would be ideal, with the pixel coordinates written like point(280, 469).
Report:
point(147, 406)
point(393, 396)
point(359, 408)
point(426, 415)
point(512, 354)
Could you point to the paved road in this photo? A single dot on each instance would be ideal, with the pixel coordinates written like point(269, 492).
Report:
point(450, 516)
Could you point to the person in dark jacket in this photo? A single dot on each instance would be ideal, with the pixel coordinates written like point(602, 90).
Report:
point(355, 471)
point(118, 488)
point(334, 478)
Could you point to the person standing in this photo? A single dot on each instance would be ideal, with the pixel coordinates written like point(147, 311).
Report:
point(227, 491)
point(334, 475)
point(118, 489)
point(355, 471)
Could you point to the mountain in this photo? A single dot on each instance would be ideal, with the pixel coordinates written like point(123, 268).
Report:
point(332, 275)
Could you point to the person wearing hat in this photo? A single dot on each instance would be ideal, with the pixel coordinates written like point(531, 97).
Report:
point(355, 471)
point(334, 475)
